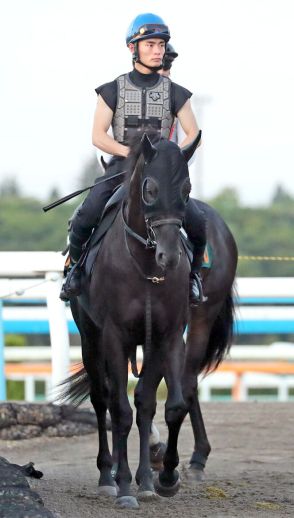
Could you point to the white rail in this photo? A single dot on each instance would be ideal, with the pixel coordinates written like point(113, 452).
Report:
point(278, 351)
point(38, 275)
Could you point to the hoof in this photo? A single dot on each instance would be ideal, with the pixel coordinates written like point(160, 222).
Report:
point(196, 474)
point(147, 496)
point(192, 474)
point(107, 491)
point(127, 502)
point(164, 490)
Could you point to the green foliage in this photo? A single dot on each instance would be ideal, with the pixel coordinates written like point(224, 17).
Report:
point(15, 390)
point(25, 227)
point(9, 187)
point(260, 231)
point(15, 340)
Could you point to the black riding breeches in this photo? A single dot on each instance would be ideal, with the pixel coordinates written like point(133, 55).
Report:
point(195, 226)
point(88, 215)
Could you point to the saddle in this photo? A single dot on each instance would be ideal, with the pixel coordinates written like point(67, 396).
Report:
point(109, 214)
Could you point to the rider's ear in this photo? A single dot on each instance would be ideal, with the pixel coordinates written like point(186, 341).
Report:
point(189, 150)
point(148, 150)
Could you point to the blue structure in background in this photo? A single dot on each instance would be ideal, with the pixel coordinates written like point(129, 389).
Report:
point(247, 327)
point(2, 371)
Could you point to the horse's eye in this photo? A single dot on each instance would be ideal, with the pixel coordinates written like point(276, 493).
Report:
point(149, 191)
point(186, 189)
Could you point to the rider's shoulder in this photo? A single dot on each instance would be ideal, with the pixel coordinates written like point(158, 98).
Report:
point(106, 87)
point(181, 90)
point(111, 86)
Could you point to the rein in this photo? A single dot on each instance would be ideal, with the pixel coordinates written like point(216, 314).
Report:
point(149, 243)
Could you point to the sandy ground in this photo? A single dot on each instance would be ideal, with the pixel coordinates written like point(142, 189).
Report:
point(250, 472)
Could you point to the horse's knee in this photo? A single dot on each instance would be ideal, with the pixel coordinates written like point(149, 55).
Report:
point(175, 412)
point(126, 421)
point(145, 411)
point(190, 391)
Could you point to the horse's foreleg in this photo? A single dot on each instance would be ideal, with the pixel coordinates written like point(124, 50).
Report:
point(121, 411)
point(156, 447)
point(145, 402)
point(175, 412)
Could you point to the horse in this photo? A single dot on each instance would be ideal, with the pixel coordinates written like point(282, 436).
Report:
point(138, 294)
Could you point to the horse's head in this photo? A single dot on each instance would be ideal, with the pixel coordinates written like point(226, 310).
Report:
point(165, 188)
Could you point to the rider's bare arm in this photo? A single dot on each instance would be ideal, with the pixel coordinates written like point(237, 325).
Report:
point(188, 123)
point(102, 121)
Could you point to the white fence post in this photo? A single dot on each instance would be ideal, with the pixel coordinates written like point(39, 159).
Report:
point(58, 329)
point(2, 361)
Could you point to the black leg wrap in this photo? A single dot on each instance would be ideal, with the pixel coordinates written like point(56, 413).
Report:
point(198, 460)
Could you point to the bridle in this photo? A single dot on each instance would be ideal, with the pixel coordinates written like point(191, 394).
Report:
point(150, 242)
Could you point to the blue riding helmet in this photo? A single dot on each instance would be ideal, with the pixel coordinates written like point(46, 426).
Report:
point(146, 26)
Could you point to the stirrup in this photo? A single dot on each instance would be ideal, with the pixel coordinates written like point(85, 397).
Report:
point(71, 286)
point(201, 298)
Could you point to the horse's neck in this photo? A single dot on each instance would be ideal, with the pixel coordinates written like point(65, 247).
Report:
point(135, 217)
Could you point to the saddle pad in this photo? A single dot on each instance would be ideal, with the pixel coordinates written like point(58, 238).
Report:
point(207, 257)
point(97, 237)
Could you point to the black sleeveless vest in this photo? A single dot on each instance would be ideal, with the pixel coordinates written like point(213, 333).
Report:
point(140, 108)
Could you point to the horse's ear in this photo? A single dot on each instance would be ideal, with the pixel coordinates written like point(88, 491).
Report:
point(189, 150)
point(148, 150)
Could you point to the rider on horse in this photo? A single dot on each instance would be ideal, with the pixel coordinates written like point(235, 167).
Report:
point(136, 101)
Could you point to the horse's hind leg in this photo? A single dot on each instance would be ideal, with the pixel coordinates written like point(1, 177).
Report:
point(198, 344)
point(194, 356)
point(106, 484)
point(94, 364)
point(202, 447)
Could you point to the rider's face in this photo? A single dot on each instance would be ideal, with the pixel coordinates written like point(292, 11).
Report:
point(151, 51)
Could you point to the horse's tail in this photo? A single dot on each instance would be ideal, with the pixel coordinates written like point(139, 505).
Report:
point(76, 388)
point(221, 335)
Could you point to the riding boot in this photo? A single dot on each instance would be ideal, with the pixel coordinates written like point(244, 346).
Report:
point(71, 286)
point(196, 296)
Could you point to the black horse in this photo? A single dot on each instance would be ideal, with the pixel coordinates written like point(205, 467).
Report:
point(137, 296)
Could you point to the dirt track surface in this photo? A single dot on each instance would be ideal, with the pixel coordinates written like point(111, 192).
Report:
point(250, 472)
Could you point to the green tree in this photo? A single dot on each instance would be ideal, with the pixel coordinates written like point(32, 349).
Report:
point(10, 188)
point(281, 196)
